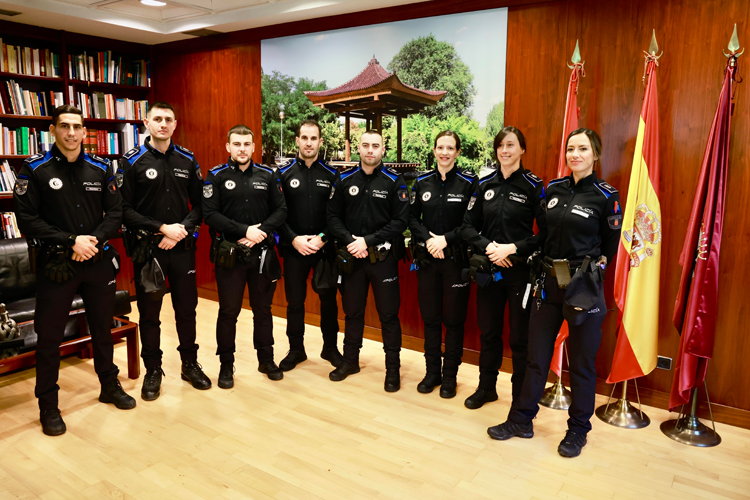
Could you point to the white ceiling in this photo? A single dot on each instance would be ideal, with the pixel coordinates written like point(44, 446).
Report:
point(132, 21)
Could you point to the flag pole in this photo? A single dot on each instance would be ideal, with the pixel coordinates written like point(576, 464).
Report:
point(557, 396)
point(622, 413)
point(688, 429)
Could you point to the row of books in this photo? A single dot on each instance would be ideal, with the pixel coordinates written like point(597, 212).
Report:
point(14, 100)
point(103, 142)
point(24, 141)
point(29, 61)
point(103, 67)
point(7, 177)
point(100, 105)
point(29, 141)
point(9, 226)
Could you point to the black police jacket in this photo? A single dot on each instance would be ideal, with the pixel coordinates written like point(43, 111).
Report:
point(582, 219)
point(306, 190)
point(374, 206)
point(156, 187)
point(438, 205)
point(55, 199)
point(503, 210)
point(234, 200)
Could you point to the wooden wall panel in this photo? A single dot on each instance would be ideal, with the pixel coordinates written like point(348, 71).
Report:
point(541, 38)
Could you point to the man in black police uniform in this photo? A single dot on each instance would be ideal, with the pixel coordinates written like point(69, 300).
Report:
point(69, 201)
point(159, 179)
point(307, 183)
point(243, 202)
point(367, 214)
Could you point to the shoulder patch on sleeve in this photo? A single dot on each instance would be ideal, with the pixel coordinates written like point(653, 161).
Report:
point(135, 153)
point(38, 159)
point(607, 187)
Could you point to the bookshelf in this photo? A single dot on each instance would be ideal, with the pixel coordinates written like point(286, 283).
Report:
point(108, 79)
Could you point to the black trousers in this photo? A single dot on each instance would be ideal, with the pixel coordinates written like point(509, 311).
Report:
point(231, 285)
point(443, 300)
point(178, 265)
point(297, 269)
point(491, 302)
point(583, 345)
point(96, 284)
point(383, 276)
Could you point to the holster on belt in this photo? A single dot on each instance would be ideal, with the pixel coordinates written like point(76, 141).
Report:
point(344, 260)
point(419, 254)
point(191, 240)
point(481, 271)
point(57, 263)
point(226, 254)
point(141, 244)
point(34, 247)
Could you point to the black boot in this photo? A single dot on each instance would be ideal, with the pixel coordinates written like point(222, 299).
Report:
point(342, 371)
point(448, 387)
point(226, 375)
point(152, 384)
point(192, 371)
point(292, 359)
point(271, 370)
point(509, 429)
point(52, 422)
point(392, 380)
point(112, 392)
point(332, 355)
point(480, 397)
point(429, 382)
point(572, 444)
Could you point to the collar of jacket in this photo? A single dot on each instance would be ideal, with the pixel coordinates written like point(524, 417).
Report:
point(583, 183)
point(148, 145)
point(235, 165)
point(56, 153)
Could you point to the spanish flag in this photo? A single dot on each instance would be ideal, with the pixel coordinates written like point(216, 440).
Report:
point(639, 255)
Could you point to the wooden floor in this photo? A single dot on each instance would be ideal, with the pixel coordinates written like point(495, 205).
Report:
point(307, 437)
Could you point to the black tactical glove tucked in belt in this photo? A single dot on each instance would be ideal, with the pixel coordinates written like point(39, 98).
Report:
point(58, 267)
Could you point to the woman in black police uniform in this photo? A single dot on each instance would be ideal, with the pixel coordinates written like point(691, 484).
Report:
point(583, 224)
point(499, 222)
point(438, 202)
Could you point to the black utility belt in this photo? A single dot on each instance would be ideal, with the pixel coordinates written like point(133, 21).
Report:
point(564, 269)
point(378, 253)
point(225, 253)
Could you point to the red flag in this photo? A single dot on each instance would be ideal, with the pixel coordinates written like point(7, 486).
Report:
point(695, 306)
point(570, 123)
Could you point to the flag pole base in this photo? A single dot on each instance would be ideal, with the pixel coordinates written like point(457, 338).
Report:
point(623, 414)
point(556, 396)
point(687, 429)
point(690, 431)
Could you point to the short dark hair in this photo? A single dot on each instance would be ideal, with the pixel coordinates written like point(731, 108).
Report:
point(503, 133)
point(308, 123)
point(65, 109)
point(161, 105)
point(449, 133)
point(240, 130)
point(596, 141)
point(373, 131)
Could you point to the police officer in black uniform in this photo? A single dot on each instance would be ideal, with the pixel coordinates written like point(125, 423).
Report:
point(367, 214)
point(438, 203)
point(307, 183)
point(583, 228)
point(243, 203)
point(159, 179)
point(69, 201)
point(500, 225)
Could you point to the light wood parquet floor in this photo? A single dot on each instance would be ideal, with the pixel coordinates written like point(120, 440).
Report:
point(306, 437)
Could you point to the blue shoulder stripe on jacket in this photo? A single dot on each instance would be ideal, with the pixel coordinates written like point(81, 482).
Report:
point(263, 167)
point(532, 179)
point(330, 169)
point(602, 190)
point(217, 169)
point(33, 163)
point(425, 176)
point(104, 166)
point(491, 176)
point(287, 167)
point(557, 181)
point(390, 175)
point(134, 154)
point(465, 177)
point(344, 175)
point(184, 152)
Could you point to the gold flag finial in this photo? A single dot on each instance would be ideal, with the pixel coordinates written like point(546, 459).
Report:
point(654, 47)
point(576, 59)
point(734, 45)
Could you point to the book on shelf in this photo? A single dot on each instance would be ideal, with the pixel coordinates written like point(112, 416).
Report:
point(9, 226)
point(14, 100)
point(107, 106)
point(104, 142)
point(29, 61)
point(104, 67)
point(7, 177)
point(24, 141)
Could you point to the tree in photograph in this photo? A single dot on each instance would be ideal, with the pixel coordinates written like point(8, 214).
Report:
point(429, 64)
point(495, 120)
point(333, 140)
